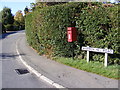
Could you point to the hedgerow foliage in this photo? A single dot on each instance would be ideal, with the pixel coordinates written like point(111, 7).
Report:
point(99, 25)
point(46, 30)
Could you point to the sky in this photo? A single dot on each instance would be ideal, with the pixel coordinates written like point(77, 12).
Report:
point(15, 5)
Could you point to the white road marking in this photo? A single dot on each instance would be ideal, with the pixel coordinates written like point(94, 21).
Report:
point(36, 72)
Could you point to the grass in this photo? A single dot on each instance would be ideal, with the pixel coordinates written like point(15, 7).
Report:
point(93, 66)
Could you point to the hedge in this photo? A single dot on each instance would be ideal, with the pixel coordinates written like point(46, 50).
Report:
point(46, 28)
point(97, 26)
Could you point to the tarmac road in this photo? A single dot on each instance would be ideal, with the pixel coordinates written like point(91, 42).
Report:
point(10, 61)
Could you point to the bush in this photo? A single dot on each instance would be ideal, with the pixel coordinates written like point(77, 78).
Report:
point(2, 28)
point(46, 29)
point(8, 27)
point(18, 26)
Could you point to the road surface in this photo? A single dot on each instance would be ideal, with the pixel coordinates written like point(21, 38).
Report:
point(10, 62)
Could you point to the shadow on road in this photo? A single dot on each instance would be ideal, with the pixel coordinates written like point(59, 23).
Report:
point(9, 33)
point(8, 55)
point(6, 34)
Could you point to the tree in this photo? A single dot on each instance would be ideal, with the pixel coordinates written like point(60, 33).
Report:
point(2, 28)
point(26, 10)
point(0, 16)
point(32, 5)
point(1, 23)
point(7, 18)
point(19, 19)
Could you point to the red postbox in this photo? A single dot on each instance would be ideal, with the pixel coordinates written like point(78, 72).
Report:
point(71, 34)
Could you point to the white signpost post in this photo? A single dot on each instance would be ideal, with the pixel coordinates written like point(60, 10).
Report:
point(106, 51)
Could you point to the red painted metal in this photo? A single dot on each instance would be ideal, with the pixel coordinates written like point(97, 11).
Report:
point(71, 34)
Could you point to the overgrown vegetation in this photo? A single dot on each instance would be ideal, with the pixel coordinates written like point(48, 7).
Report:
point(97, 27)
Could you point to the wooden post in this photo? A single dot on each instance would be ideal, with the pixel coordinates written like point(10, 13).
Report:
point(106, 59)
point(88, 52)
point(73, 50)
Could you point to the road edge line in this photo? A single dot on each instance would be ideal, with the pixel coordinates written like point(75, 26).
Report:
point(39, 75)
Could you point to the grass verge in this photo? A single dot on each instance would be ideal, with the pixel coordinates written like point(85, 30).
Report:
point(112, 71)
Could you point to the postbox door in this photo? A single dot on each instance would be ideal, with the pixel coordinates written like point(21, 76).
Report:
point(71, 34)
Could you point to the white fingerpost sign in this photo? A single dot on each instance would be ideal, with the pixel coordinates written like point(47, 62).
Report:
point(106, 51)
